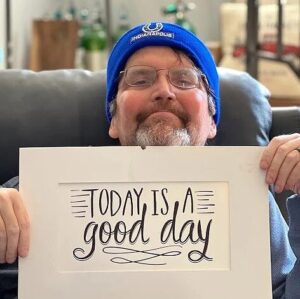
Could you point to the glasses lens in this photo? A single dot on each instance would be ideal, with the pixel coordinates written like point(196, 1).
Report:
point(184, 78)
point(140, 76)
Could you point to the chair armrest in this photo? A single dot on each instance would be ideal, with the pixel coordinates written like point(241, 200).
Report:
point(285, 120)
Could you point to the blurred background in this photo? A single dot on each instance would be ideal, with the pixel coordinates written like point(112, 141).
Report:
point(261, 37)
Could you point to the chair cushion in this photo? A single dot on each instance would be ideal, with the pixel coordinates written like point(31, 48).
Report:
point(246, 115)
point(66, 108)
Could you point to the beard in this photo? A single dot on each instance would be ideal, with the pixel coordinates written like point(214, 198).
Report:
point(155, 131)
point(160, 134)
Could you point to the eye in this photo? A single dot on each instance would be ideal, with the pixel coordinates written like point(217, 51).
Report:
point(183, 79)
point(139, 81)
point(183, 82)
point(140, 78)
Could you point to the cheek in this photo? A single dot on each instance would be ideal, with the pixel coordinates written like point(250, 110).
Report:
point(129, 105)
point(195, 104)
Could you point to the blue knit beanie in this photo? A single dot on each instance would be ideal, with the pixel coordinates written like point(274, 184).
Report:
point(161, 34)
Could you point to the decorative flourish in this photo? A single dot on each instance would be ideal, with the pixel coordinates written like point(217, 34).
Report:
point(205, 195)
point(196, 256)
point(150, 254)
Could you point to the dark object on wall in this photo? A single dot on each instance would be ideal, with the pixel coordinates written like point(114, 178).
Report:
point(252, 47)
point(53, 44)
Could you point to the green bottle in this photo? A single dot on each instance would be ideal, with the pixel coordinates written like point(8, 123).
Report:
point(94, 42)
point(183, 22)
point(83, 29)
point(58, 13)
point(123, 23)
point(71, 12)
point(179, 10)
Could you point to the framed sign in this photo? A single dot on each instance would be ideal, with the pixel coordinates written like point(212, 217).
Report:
point(123, 222)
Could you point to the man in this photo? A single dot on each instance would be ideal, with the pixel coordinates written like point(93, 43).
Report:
point(163, 89)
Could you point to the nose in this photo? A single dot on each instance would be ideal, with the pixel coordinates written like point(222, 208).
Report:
point(163, 90)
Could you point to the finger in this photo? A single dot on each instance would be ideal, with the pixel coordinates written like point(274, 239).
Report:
point(296, 189)
point(286, 169)
point(293, 182)
point(11, 227)
point(272, 147)
point(2, 241)
point(24, 226)
point(284, 147)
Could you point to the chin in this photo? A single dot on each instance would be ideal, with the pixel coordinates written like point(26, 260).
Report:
point(161, 134)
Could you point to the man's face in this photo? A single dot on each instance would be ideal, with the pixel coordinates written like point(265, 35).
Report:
point(161, 114)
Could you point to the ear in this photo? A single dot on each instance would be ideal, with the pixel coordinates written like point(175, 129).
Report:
point(113, 129)
point(213, 129)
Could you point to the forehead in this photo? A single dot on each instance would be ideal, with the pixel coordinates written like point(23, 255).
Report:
point(158, 55)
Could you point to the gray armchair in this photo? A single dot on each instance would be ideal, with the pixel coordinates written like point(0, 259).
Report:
point(66, 108)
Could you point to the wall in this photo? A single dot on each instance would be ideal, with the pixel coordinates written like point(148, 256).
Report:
point(23, 12)
point(205, 18)
point(2, 35)
point(269, 1)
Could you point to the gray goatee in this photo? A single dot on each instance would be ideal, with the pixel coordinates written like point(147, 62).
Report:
point(161, 134)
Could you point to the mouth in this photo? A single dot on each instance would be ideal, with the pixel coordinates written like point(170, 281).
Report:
point(165, 117)
point(176, 117)
point(163, 114)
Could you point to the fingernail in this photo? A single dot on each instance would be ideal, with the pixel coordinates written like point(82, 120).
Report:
point(277, 188)
point(10, 260)
point(24, 252)
point(264, 164)
point(269, 180)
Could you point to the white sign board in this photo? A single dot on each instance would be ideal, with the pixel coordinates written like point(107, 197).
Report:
point(165, 222)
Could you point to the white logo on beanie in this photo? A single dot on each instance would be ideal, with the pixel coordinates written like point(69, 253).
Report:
point(147, 27)
point(152, 29)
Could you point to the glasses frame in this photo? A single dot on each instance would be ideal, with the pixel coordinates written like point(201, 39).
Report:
point(202, 80)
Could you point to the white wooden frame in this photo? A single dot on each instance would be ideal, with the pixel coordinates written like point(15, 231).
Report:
point(46, 174)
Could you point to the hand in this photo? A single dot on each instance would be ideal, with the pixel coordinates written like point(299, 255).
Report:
point(281, 160)
point(14, 226)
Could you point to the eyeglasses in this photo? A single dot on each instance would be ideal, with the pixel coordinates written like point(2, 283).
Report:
point(143, 76)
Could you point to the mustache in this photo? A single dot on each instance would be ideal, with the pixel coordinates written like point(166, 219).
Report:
point(162, 107)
